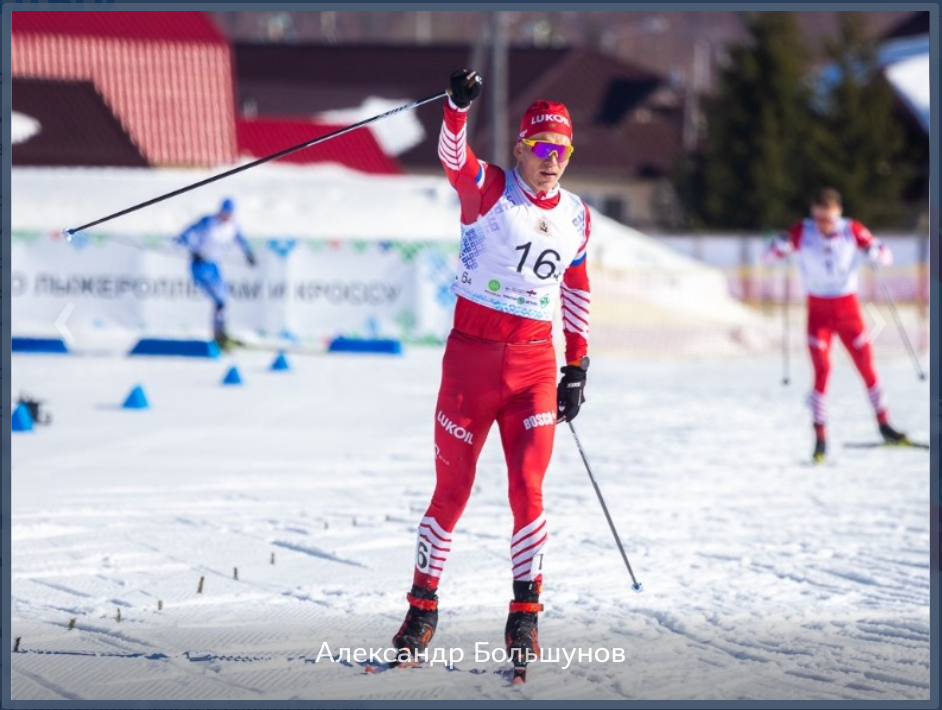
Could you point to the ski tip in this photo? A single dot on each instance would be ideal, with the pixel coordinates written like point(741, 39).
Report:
point(907, 444)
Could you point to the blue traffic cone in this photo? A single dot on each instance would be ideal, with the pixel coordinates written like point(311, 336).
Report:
point(232, 376)
point(22, 420)
point(280, 363)
point(137, 399)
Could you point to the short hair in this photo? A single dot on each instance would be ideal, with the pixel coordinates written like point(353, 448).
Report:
point(826, 197)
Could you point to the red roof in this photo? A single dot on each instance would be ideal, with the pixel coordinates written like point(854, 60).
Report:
point(357, 149)
point(128, 25)
point(167, 76)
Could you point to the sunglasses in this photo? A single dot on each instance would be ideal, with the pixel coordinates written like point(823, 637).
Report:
point(544, 149)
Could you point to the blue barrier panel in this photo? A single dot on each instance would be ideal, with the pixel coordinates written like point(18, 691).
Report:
point(367, 345)
point(177, 348)
point(38, 345)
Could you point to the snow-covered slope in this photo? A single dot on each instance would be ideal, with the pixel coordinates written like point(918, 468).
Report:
point(764, 577)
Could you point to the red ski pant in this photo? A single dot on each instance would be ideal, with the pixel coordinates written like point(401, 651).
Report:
point(482, 382)
point(841, 315)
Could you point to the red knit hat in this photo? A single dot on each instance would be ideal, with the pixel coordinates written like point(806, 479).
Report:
point(546, 116)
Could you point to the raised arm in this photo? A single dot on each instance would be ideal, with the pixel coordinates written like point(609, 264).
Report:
point(478, 185)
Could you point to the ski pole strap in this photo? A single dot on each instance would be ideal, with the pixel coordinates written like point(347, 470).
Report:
point(424, 604)
point(531, 607)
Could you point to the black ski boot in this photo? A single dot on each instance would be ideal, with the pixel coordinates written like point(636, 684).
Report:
point(419, 625)
point(521, 631)
point(893, 437)
point(820, 449)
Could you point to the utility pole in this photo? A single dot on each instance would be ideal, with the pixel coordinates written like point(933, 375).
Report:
point(497, 93)
point(694, 86)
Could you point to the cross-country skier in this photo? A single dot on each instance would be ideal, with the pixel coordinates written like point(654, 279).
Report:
point(829, 247)
point(523, 248)
point(208, 239)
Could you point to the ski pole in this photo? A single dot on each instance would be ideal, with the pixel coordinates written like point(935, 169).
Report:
point(636, 585)
point(899, 323)
point(260, 161)
point(785, 304)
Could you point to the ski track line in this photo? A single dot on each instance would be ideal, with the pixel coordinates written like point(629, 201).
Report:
point(82, 673)
point(45, 684)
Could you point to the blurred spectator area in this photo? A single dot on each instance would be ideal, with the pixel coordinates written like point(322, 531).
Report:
point(738, 256)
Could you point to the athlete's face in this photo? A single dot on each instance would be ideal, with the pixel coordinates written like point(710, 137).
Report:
point(541, 175)
point(825, 218)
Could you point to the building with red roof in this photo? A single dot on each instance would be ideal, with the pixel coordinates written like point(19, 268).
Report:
point(167, 76)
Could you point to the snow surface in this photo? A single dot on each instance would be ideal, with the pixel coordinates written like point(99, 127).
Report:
point(764, 577)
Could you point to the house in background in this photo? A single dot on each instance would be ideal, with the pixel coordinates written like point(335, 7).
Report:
point(165, 76)
point(170, 90)
point(137, 89)
point(627, 121)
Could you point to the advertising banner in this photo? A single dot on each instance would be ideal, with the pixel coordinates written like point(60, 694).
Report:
point(306, 290)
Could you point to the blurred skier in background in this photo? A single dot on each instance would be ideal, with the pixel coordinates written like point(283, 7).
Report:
point(208, 240)
point(829, 248)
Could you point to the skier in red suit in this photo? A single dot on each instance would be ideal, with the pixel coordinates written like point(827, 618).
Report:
point(829, 247)
point(523, 250)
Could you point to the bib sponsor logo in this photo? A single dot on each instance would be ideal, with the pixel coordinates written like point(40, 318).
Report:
point(494, 285)
point(542, 419)
point(456, 431)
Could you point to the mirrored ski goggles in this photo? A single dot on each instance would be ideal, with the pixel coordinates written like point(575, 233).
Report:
point(544, 149)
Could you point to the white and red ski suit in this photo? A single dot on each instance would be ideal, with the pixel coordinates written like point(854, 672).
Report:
point(520, 254)
point(828, 265)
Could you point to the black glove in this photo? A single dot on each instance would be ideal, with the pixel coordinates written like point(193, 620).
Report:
point(196, 258)
point(465, 87)
point(250, 257)
point(569, 391)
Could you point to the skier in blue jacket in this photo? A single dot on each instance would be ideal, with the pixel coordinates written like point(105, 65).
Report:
point(208, 240)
